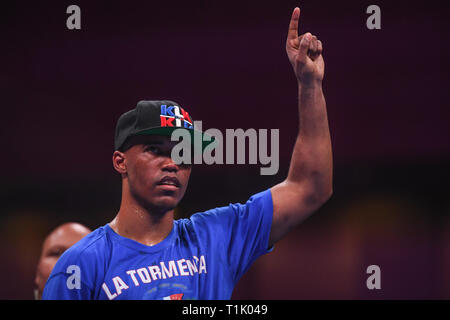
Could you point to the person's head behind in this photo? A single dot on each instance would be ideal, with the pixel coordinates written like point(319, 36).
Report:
point(149, 174)
point(54, 245)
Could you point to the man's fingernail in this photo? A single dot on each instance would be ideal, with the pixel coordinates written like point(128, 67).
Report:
point(308, 37)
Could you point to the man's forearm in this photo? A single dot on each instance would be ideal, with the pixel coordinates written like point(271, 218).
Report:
point(311, 162)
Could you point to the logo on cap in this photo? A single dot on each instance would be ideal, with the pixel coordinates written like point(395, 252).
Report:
point(175, 116)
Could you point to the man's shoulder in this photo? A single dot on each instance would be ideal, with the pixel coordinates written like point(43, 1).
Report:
point(259, 201)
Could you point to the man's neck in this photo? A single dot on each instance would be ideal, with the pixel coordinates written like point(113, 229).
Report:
point(135, 222)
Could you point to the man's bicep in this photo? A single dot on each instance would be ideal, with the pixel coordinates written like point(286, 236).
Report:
point(292, 203)
point(242, 230)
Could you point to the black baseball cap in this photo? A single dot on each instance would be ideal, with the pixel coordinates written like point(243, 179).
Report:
point(155, 117)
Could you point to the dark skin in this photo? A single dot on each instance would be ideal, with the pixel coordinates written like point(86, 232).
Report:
point(309, 183)
point(152, 186)
point(146, 212)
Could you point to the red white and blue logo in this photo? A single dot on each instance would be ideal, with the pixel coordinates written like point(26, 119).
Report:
point(175, 116)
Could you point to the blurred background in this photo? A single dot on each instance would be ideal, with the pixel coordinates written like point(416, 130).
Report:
point(387, 95)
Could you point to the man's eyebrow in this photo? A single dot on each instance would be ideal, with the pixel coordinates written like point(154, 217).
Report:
point(148, 142)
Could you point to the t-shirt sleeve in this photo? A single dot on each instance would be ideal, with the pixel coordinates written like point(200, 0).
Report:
point(242, 230)
point(70, 279)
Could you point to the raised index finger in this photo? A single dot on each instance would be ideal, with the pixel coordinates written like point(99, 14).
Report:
point(293, 25)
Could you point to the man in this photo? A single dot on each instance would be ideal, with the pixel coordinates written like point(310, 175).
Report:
point(58, 241)
point(145, 254)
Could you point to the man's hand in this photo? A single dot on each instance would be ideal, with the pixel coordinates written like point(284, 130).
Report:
point(304, 52)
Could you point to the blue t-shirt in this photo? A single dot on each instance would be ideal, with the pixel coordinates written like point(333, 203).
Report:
point(203, 257)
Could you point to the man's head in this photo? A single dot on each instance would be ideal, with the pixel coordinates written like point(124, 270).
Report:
point(143, 150)
point(58, 241)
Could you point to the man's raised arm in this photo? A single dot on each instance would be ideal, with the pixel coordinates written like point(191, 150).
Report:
point(309, 182)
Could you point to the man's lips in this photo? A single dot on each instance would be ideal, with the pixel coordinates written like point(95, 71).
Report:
point(169, 181)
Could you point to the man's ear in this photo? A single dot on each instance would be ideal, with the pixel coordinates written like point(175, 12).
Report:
point(118, 160)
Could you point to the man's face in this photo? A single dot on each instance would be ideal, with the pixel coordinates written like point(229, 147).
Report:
point(154, 180)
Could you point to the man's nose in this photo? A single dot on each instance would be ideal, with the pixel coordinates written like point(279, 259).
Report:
point(169, 165)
